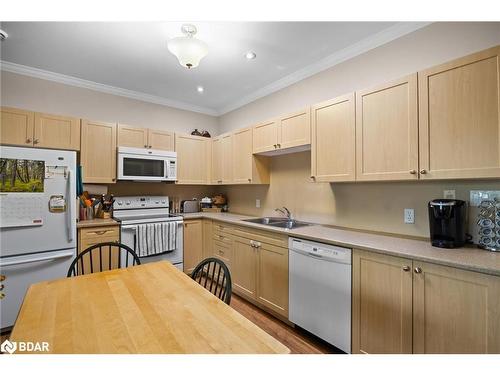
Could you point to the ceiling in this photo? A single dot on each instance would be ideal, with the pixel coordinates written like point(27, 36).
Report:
point(131, 58)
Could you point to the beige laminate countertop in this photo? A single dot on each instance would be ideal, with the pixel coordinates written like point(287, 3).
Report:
point(469, 258)
point(96, 223)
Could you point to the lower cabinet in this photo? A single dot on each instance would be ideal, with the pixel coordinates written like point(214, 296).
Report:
point(193, 244)
point(89, 236)
point(405, 306)
point(244, 267)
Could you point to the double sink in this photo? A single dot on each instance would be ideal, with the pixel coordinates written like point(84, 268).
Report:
point(278, 222)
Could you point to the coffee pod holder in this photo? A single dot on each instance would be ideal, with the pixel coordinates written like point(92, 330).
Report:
point(488, 223)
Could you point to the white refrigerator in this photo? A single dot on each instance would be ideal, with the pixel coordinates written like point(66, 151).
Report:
point(37, 221)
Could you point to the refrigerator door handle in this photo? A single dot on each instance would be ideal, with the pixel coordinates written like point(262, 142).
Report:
point(69, 204)
point(34, 260)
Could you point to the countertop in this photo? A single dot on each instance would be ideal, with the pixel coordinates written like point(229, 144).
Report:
point(468, 258)
point(96, 223)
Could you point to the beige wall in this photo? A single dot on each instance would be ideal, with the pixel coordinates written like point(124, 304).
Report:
point(56, 98)
point(370, 206)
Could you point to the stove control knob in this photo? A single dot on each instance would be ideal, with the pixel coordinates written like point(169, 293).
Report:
point(127, 203)
point(119, 203)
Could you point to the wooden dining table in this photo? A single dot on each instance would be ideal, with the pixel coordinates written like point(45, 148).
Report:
point(151, 308)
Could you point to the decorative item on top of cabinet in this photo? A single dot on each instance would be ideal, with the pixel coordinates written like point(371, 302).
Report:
point(16, 127)
point(286, 132)
point(459, 119)
point(194, 154)
point(98, 152)
point(193, 244)
point(32, 129)
point(156, 139)
point(387, 131)
point(248, 168)
point(333, 142)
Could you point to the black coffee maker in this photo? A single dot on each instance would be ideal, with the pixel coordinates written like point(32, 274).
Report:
point(447, 220)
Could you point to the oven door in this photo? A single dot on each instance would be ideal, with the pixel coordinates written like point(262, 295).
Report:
point(129, 238)
point(142, 167)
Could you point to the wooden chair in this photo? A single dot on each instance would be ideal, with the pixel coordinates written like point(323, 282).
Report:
point(103, 257)
point(213, 275)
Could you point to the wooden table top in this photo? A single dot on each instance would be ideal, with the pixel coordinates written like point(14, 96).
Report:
point(151, 308)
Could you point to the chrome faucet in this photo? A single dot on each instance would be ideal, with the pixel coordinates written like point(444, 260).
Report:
point(285, 211)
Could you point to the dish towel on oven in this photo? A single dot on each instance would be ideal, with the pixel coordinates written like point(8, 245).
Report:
point(156, 238)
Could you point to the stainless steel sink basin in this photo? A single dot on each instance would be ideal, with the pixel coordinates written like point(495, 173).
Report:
point(266, 220)
point(279, 222)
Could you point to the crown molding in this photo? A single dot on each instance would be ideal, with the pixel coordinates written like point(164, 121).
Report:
point(77, 82)
point(364, 45)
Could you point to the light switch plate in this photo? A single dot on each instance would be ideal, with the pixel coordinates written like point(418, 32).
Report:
point(409, 216)
point(257, 203)
point(449, 194)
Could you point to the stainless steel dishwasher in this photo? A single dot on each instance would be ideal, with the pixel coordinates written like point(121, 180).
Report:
point(320, 290)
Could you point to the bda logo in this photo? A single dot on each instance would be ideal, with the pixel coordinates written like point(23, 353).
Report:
point(8, 347)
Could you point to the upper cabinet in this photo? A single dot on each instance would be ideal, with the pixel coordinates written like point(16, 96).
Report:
point(286, 132)
point(387, 131)
point(130, 136)
point(227, 158)
point(333, 140)
point(294, 130)
point(248, 168)
point(459, 125)
point(98, 152)
point(16, 127)
point(193, 159)
point(25, 128)
point(216, 176)
point(59, 132)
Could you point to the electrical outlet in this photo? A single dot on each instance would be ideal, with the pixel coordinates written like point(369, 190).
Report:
point(409, 216)
point(449, 194)
point(257, 203)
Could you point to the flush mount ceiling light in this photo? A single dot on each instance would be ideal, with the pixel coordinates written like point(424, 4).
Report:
point(200, 89)
point(188, 50)
point(3, 35)
point(250, 55)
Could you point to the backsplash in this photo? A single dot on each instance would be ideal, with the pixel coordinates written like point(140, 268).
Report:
point(375, 206)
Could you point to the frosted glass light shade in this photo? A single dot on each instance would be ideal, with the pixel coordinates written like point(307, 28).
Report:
point(188, 50)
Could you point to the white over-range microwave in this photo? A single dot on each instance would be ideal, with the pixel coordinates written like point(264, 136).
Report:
point(139, 164)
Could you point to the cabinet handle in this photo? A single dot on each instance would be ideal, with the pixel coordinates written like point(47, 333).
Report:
point(275, 146)
point(145, 146)
point(279, 145)
point(313, 177)
point(249, 180)
point(423, 171)
point(418, 270)
point(406, 268)
point(413, 171)
point(35, 141)
point(28, 140)
point(113, 179)
point(221, 252)
point(149, 146)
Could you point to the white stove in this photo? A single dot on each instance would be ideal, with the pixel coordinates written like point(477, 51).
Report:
point(132, 211)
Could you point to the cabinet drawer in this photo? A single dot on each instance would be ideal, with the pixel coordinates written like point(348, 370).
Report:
point(89, 234)
point(223, 251)
point(221, 237)
point(221, 228)
point(261, 236)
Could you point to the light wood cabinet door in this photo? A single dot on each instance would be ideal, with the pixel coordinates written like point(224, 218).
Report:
point(455, 311)
point(242, 156)
point(216, 176)
point(381, 303)
point(387, 131)
point(265, 137)
point(58, 132)
point(207, 238)
point(130, 136)
point(160, 140)
point(244, 267)
point(192, 159)
point(16, 127)
point(193, 244)
point(333, 146)
point(98, 152)
point(273, 278)
point(459, 124)
point(227, 158)
point(295, 129)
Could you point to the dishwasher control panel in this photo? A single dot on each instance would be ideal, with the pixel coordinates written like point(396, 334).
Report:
point(328, 252)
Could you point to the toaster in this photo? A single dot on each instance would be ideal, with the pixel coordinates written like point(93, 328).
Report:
point(188, 206)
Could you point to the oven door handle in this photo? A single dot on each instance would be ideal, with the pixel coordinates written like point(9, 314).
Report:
point(130, 228)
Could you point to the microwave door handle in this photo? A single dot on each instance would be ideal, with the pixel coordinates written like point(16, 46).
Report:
point(167, 169)
point(69, 205)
